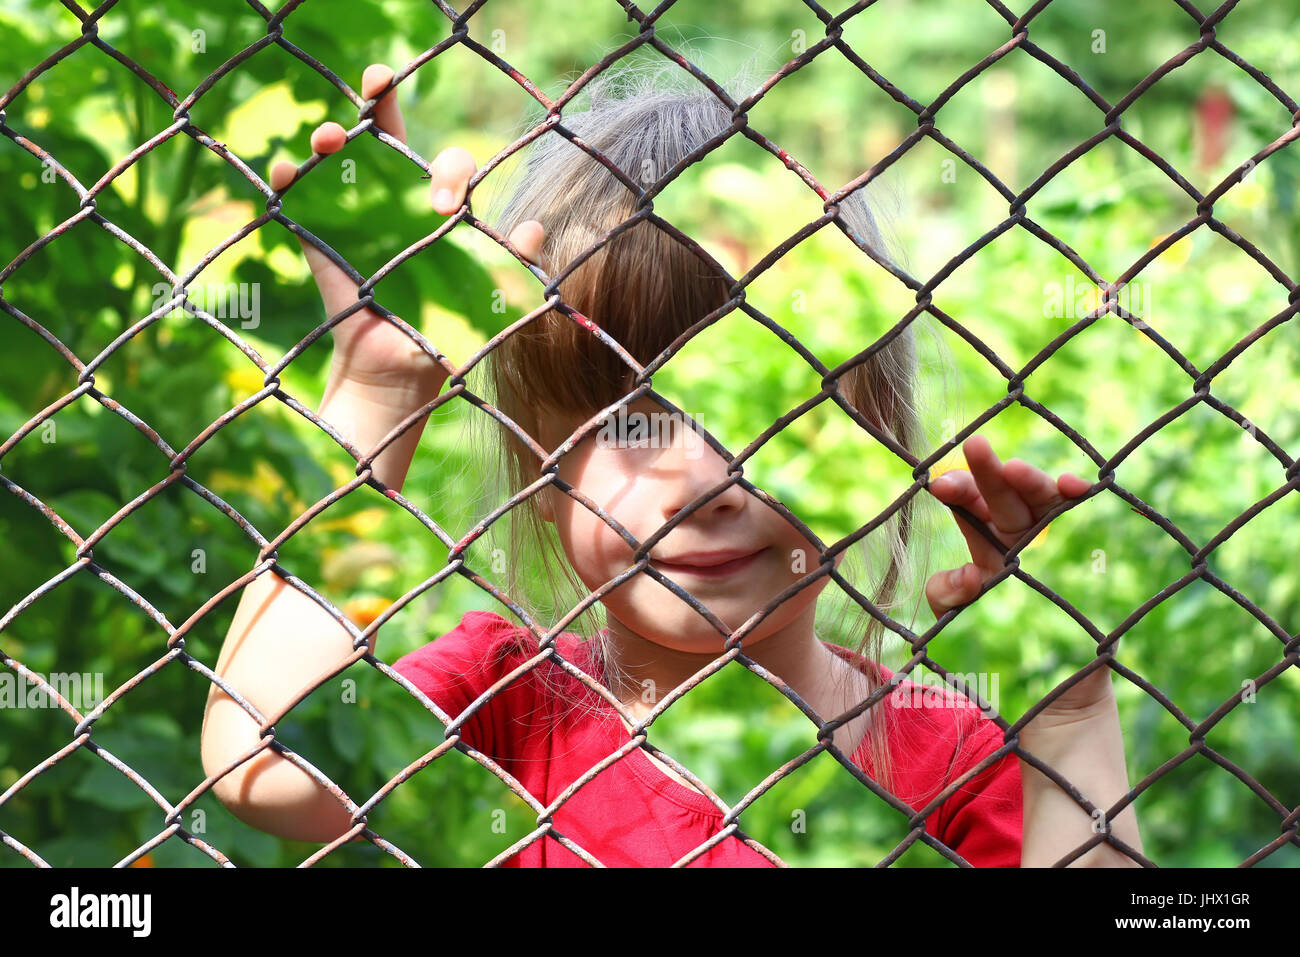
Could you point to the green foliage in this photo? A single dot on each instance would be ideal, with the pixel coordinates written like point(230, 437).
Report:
point(179, 375)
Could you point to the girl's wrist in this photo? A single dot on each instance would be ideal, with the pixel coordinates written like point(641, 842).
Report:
point(364, 414)
point(1053, 735)
point(398, 387)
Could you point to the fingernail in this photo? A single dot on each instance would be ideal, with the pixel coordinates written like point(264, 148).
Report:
point(954, 577)
point(443, 198)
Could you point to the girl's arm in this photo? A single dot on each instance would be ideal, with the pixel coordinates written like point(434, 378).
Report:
point(1078, 733)
point(281, 642)
point(1087, 749)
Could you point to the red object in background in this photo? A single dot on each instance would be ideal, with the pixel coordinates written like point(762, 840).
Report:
point(1214, 113)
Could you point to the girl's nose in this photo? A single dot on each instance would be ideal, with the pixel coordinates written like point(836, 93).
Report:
point(689, 469)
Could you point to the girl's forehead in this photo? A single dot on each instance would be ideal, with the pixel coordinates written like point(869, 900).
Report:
point(556, 425)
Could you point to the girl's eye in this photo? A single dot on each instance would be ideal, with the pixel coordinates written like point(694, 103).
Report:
point(627, 429)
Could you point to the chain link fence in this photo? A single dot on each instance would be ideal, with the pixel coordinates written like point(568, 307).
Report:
point(172, 654)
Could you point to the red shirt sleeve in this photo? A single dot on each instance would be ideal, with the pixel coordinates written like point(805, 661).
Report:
point(458, 667)
point(982, 821)
point(934, 740)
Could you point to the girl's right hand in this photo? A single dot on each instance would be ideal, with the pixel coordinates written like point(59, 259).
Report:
point(367, 348)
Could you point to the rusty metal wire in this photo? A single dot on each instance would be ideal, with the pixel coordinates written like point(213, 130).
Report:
point(456, 388)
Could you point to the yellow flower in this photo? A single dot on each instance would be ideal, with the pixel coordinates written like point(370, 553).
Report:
point(363, 611)
point(1175, 255)
point(364, 523)
point(1091, 302)
point(265, 484)
point(1250, 193)
point(244, 380)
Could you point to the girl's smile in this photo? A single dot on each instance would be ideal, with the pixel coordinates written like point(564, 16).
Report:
point(712, 565)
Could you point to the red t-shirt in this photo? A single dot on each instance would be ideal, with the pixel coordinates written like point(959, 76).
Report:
point(632, 814)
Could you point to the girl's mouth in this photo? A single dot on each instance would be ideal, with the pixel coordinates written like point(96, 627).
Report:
point(705, 567)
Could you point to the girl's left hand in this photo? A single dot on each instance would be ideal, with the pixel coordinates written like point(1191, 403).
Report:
point(1009, 498)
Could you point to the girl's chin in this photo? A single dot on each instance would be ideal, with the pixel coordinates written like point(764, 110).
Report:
point(704, 639)
point(667, 621)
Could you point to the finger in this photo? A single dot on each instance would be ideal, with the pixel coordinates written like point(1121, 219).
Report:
point(527, 238)
point(329, 137)
point(450, 172)
point(337, 290)
point(1071, 486)
point(1010, 513)
point(957, 487)
point(1037, 489)
point(282, 174)
point(946, 590)
point(388, 115)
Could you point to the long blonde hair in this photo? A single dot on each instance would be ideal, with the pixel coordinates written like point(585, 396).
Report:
point(645, 289)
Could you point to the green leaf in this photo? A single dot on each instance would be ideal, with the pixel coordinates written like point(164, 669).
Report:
point(345, 731)
point(85, 509)
point(109, 788)
point(456, 281)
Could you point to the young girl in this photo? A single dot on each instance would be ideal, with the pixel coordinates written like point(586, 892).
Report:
point(714, 554)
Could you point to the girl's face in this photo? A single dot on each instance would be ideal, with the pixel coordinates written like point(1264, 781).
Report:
point(642, 479)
